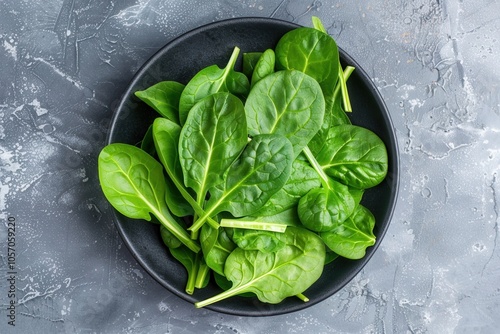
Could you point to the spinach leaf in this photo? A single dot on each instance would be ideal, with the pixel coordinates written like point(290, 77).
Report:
point(166, 140)
point(262, 169)
point(357, 195)
point(147, 143)
point(164, 98)
point(351, 238)
point(133, 182)
point(276, 275)
point(310, 51)
point(353, 155)
point(330, 256)
point(176, 202)
point(302, 179)
point(168, 238)
point(289, 103)
point(237, 83)
point(264, 66)
point(216, 247)
point(211, 80)
point(322, 209)
point(264, 241)
point(213, 136)
point(250, 59)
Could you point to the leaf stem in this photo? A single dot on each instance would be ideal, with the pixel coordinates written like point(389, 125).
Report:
point(230, 65)
point(253, 225)
point(317, 167)
point(302, 297)
point(318, 25)
point(190, 284)
point(196, 207)
point(202, 274)
point(345, 94)
point(347, 73)
point(178, 231)
point(221, 296)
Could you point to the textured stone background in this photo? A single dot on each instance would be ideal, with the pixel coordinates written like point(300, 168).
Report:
point(65, 63)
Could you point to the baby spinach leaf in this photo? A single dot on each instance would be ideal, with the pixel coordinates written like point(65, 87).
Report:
point(264, 66)
point(322, 209)
point(264, 241)
point(250, 59)
point(213, 136)
point(262, 169)
point(177, 203)
point(357, 195)
point(302, 179)
point(147, 143)
point(289, 103)
point(166, 137)
point(330, 256)
point(208, 81)
point(164, 98)
point(310, 51)
point(353, 155)
point(351, 238)
point(132, 181)
point(166, 140)
point(216, 247)
point(168, 238)
point(237, 83)
point(276, 275)
point(315, 53)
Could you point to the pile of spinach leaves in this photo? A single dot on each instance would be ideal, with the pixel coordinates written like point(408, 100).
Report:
point(256, 177)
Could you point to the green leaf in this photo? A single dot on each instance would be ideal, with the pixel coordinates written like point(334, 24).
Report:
point(262, 169)
point(264, 241)
point(168, 238)
point(133, 182)
point(322, 209)
point(276, 275)
point(216, 247)
point(250, 59)
point(147, 143)
point(289, 103)
point(264, 66)
point(208, 81)
point(164, 98)
point(213, 136)
point(310, 51)
point(351, 238)
point(166, 139)
point(353, 155)
point(314, 52)
point(302, 179)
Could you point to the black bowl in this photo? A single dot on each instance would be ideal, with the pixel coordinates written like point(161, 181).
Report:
point(179, 60)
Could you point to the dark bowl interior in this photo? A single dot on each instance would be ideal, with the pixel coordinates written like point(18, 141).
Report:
point(179, 60)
